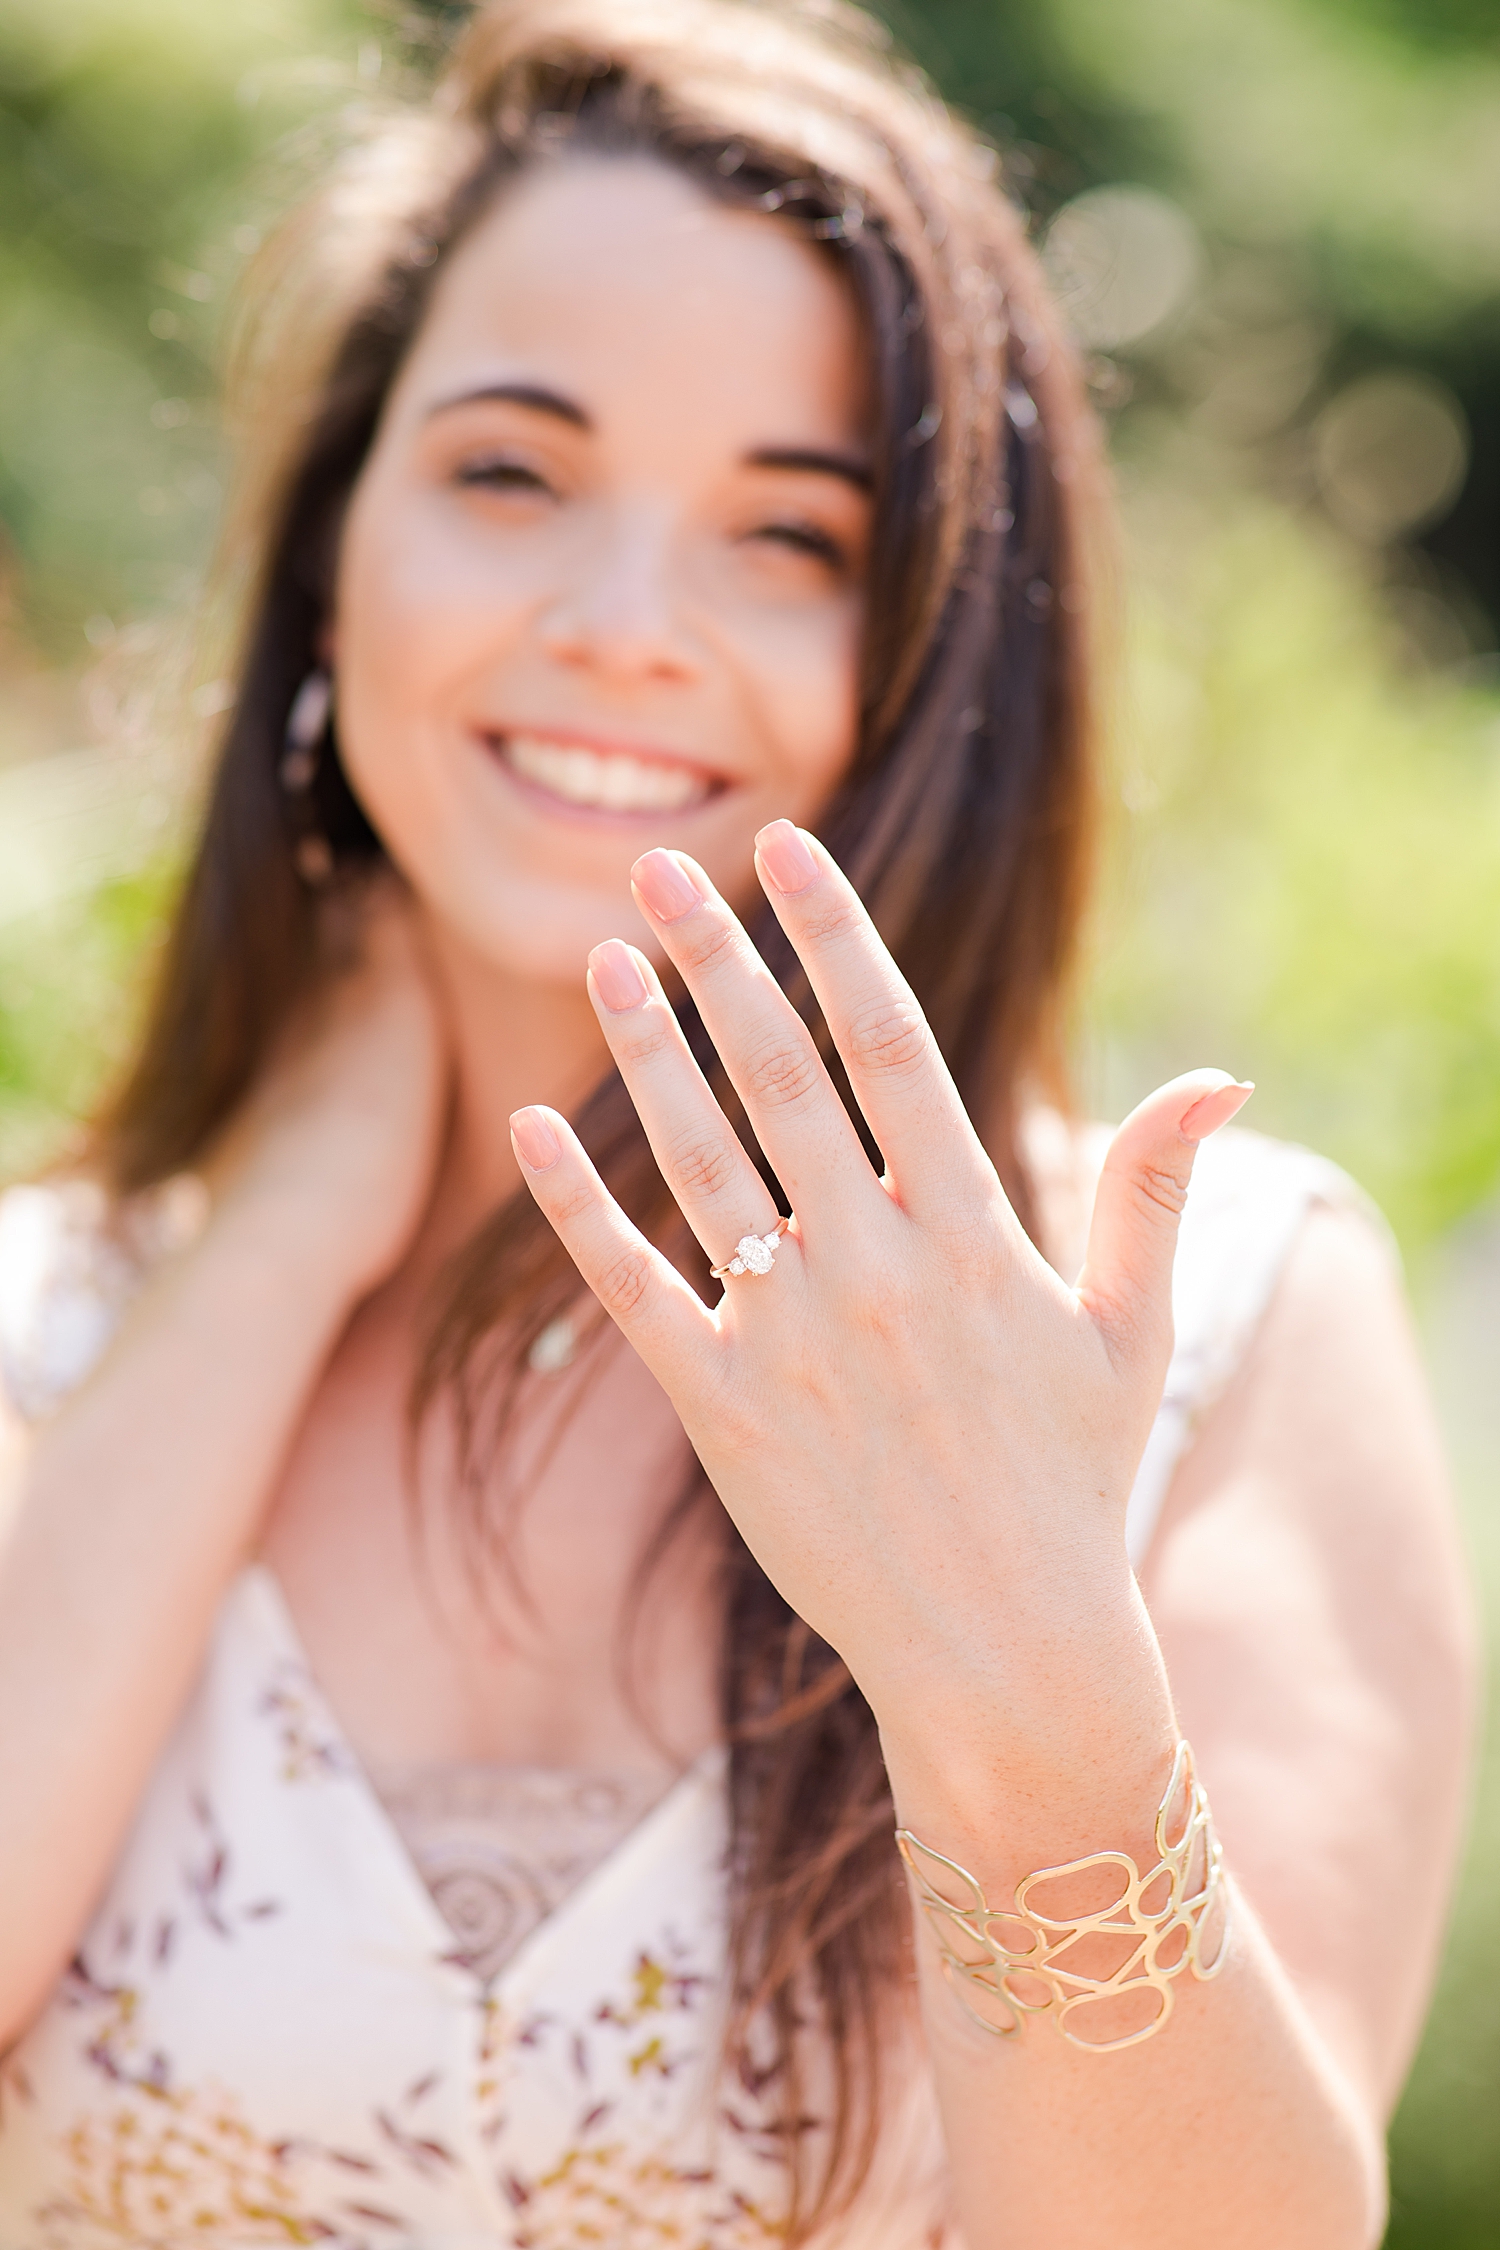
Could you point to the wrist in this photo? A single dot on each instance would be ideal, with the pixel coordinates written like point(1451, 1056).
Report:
point(283, 1231)
point(1056, 1745)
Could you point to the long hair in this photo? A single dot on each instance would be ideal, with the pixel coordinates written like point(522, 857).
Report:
point(964, 818)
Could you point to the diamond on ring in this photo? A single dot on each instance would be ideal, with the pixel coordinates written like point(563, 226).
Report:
point(753, 1253)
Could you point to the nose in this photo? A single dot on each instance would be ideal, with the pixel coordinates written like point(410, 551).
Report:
point(619, 614)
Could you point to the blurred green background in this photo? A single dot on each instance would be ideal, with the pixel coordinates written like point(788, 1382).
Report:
point(1276, 224)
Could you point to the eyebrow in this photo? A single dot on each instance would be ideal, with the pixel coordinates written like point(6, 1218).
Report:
point(533, 395)
point(801, 460)
point(812, 461)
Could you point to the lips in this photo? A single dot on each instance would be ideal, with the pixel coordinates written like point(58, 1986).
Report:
point(604, 780)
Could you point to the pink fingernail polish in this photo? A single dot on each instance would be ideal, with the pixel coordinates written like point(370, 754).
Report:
point(617, 975)
point(1213, 1109)
point(785, 857)
point(666, 886)
point(536, 1143)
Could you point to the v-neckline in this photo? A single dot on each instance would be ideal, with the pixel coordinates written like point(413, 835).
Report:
point(408, 1892)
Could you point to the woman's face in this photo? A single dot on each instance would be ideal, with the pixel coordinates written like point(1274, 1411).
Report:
point(600, 584)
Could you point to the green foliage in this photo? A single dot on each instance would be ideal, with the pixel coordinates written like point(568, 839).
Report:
point(71, 983)
point(1306, 887)
point(1295, 125)
point(1305, 867)
point(127, 132)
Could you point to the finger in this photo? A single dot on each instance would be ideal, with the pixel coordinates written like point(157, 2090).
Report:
point(699, 1154)
point(1126, 1281)
point(644, 1295)
point(766, 1048)
point(934, 1157)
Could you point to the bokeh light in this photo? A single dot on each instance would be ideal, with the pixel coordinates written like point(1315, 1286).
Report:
point(1392, 452)
point(1123, 260)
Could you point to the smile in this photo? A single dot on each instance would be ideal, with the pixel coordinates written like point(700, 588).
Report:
point(611, 781)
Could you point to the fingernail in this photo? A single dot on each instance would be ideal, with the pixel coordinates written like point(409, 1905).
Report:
point(1213, 1109)
point(666, 886)
point(617, 975)
point(536, 1143)
point(785, 857)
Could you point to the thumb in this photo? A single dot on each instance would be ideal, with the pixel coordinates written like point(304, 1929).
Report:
point(1126, 1283)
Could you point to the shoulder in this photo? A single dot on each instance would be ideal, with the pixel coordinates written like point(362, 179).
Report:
point(1309, 1592)
point(1264, 1221)
point(1252, 1202)
point(71, 1259)
point(1322, 1438)
point(1334, 1359)
point(62, 1283)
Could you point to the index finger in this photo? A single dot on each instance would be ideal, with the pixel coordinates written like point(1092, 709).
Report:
point(934, 1158)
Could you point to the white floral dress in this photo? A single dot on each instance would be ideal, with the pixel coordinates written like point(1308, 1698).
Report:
point(267, 2037)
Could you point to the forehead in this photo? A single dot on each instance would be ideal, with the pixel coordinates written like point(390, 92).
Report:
point(621, 284)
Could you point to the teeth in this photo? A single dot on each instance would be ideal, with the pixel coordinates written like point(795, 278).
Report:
point(609, 780)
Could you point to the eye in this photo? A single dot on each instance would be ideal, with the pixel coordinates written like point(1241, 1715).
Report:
point(496, 473)
point(805, 539)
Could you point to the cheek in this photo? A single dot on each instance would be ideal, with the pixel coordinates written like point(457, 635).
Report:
point(415, 608)
point(804, 669)
point(416, 615)
point(389, 630)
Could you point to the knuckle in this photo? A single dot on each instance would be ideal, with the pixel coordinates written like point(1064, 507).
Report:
point(896, 1319)
point(972, 1239)
point(708, 943)
point(705, 1167)
point(827, 920)
point(783, 1075)
point(889, 1038)
point(1161, 1193)
point(572, 1202)
point(624, 1282)
point(647, 1042)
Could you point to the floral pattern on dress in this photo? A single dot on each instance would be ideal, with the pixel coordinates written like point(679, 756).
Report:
point(608, 2185)
point(310, 1746)
point(155, 2165)
point(609, 2193)
point(268, 2038)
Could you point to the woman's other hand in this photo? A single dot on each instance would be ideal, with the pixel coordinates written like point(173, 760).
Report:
point(340, 1135)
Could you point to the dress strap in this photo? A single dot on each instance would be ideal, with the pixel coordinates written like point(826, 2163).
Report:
point(1249, 1199)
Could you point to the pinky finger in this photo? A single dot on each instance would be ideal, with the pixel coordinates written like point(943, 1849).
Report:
point(643, 1293)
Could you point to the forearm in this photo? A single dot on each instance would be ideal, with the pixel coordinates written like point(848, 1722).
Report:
point(1234, 2123)
point(1232, 2127)
point(131, 1511)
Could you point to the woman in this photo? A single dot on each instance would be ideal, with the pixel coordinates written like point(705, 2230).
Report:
point(664, 458)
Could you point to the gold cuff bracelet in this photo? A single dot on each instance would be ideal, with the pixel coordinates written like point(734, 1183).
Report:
point(1005, 1963)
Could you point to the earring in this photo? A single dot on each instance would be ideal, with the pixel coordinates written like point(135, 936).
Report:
point(301, 757)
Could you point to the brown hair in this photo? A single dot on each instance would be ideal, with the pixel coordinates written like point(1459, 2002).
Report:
point(964, 818)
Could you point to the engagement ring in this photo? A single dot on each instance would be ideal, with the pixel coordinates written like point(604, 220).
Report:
point(753, 1253)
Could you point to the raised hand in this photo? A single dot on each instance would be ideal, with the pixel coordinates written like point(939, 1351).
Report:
point(925, 1436)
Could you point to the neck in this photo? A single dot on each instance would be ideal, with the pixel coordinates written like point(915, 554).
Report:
point(515, 1040)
